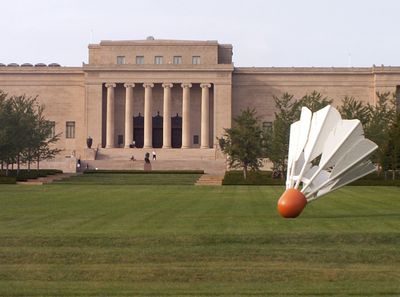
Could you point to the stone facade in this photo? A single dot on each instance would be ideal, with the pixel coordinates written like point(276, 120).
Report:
point(173, 94)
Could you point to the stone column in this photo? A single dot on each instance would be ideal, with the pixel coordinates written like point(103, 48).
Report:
point(110, 124)
point(148, 115)
point(128, 113)
point(167, 115)
point(186, 116)
point(205, 115)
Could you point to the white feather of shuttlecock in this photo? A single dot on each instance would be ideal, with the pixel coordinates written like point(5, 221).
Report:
point(338, 146)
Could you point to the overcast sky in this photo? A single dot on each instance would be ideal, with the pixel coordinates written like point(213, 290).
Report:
point(263, 32)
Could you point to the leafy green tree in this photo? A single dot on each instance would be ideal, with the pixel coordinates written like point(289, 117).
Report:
point(42, 139)
point(23, 123)
point(391, 149)
point(5, 131)
point(352, 108)
point(243, 142)
point(277, 138)
point(313, 101)
point(382, 116)
point(24, 131)
point(288, 111)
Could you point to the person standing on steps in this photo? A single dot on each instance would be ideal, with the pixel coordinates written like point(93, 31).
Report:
point(154, 155)
point(147, 158)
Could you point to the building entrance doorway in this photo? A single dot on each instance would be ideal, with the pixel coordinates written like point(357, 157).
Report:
point(157, 131)
point(176, 131)
point(138, 131)
point(176, 135)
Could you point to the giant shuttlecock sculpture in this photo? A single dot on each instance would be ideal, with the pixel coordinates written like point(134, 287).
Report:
point(325, 153)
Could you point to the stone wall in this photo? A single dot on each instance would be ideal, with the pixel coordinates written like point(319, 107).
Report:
point(255, 87)
point(62, 91)
point(106, 52)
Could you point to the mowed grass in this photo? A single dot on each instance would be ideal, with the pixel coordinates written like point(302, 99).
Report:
point(159, 179)
point(124, 240)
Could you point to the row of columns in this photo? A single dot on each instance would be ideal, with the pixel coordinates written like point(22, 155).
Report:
point(148, 117)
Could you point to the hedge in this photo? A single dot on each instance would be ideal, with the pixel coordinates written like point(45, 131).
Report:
point(91, 171)
point(253, 178)
point(24, 174)
point(265, 178)
point(7, 180)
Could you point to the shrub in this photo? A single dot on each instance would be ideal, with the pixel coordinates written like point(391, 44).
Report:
point(265, 178)
point(253, 178)
point(144, 172)
point(7, 180)
point(24, 174)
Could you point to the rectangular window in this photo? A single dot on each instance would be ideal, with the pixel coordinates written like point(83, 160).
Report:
point(196, 60)
point(120, 60)
point(195, 139)
point(158, 60)
point(70, 130)
point(53, 129)
point(139, 59)
point(177, 60)
point(267, 125)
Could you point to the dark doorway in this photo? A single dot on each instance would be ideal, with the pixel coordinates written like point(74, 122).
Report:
point(176, 135)
point(157, 131)
point(120, 140)
point(398, 98)
point(138, 131)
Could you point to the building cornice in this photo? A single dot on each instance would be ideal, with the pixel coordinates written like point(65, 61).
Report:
point(159, 68)
point(41, 70)
point(318, 70)
point(156, 42)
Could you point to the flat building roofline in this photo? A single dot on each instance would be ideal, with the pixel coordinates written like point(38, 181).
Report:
point(316, 70)
point(154, 42)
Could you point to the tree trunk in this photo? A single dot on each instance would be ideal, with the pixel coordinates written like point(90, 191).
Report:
point(38, 163)
point(18, 163)
point(7, 169)
point(29, 160)
point(245, 172)
point(393, 174)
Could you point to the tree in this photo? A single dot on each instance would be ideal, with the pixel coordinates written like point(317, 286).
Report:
point(42, 139)
point(277, 138)
point(288, 111)
point(7, 149)
point(351, 108)
point(243, 142)
point(23, 124)
point(382, 116)
point(24, 131)
point(314, 101)
point(391, 150)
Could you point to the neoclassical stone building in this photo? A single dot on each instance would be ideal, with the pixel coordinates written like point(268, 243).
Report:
point(172, 96)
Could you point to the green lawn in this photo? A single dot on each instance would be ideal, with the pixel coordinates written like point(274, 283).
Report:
point(132, 240)
point(133, 179)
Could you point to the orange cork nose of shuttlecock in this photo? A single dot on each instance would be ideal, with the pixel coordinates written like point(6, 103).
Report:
point(291, 203)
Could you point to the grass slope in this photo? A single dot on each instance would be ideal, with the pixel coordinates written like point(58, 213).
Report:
point(80, 240)
point(133, 179)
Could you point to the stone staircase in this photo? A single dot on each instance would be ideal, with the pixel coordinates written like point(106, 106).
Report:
point(162, 154)
point(46, 180)
point(209, 180)
point(167, 159)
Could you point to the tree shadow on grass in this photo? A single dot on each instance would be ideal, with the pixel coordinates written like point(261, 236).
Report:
point(343, 216)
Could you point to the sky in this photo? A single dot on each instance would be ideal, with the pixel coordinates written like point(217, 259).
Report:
point(279, 33)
